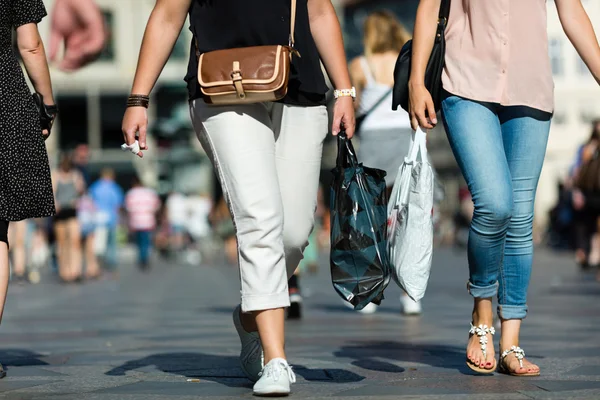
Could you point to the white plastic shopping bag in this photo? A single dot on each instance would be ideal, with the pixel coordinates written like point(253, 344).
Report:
point(410, 220)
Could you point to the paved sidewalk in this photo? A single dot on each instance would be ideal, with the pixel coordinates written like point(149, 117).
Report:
point(146, 335)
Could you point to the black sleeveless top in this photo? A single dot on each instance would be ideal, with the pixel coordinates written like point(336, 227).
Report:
point(226, 24)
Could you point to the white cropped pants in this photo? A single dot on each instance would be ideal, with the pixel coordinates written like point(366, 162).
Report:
point(268, 159)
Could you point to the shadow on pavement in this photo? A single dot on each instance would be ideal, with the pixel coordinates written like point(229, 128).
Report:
point(372, 356)
point(21, 358)
point(221, 369)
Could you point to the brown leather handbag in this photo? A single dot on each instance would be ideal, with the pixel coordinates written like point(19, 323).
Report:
point(248, 74)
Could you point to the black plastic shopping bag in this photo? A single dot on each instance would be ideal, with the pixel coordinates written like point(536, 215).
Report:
point(360, 270)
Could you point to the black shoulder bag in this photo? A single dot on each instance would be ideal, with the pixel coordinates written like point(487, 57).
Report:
point(433, 73)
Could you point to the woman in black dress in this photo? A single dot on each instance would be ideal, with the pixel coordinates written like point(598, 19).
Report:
point(25, 184)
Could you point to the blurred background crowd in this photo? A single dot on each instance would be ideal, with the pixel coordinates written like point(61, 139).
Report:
point(113, 207)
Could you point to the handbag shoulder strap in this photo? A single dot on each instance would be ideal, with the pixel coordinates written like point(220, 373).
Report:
point(444, 11)
point(292, 22)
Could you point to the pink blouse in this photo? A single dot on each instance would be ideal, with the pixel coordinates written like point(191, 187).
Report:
point(497, 51)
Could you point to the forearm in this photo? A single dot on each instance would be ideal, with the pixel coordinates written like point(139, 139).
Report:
point(159, 39)
point(580, 32)
point(423, 39)
point(36, 65)
point(326, 31)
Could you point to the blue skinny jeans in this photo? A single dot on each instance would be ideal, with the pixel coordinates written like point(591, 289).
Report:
point(500, 151)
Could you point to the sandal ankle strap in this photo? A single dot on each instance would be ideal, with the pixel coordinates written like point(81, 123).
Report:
point(482, 331)
point(517, 351)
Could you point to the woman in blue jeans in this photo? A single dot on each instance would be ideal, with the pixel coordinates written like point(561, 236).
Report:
point(497, 111)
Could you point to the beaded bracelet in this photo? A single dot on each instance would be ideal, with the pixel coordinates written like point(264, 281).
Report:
point(344, 93)
point(138, 100)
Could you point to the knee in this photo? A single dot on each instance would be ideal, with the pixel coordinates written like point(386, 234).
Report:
point(493, 215)
point(521, 227)
point(263, 228)
point(295, 235)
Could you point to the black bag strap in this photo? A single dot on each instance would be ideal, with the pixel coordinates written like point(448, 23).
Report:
point(377, 103)
point(444, 13)
point(346, 155)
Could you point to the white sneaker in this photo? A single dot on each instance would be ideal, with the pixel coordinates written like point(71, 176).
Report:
point(369, 309)
point(275, 379)
point(409, 306)
point(251, 356)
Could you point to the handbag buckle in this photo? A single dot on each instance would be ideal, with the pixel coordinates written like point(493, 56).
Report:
point(236, 76)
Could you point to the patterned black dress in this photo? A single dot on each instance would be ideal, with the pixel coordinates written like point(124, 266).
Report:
point(25, 182)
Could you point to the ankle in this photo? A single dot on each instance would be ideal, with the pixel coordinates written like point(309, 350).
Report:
point(272, 354)
point(482, 312)
point(511, 329)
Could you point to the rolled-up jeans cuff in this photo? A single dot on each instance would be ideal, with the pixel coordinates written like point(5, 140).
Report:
point(512, 312)
point(482, 292)
point(265, 302)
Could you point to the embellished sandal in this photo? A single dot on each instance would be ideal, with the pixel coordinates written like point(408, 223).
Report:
point(520, 355)
point(482, 331)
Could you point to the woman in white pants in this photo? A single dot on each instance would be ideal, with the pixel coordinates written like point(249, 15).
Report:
point(267, 155)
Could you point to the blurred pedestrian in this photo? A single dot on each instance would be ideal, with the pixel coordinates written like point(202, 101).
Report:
point(87, 215)
point(68, 188)
point(177, 215)
point(586, 201)
point(108, 199)
point(385, 135)
point(17, 234)
point(142, 205)
point(25, 181)
point(268, 155)
point(80, 26)
point(198, 209)
point(497, 110)
point(81, 159)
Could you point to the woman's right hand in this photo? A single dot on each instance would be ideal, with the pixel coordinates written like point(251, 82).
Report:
point(420, 106)
point(135, 126)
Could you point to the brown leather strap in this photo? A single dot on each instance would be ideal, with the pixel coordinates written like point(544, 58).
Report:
point(292, 22)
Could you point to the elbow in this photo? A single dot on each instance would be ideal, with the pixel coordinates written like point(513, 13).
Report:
point(31, 48)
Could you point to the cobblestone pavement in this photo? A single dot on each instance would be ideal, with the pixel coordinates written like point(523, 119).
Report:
point(144, 336)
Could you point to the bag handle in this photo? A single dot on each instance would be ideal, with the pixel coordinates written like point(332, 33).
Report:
point(419, 146)
point(346, 155)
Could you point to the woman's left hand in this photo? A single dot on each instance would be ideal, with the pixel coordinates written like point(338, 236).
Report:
point(343, 115)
